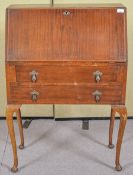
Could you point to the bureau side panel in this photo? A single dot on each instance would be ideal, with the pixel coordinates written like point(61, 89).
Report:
point(122, 77)
point(10, 78)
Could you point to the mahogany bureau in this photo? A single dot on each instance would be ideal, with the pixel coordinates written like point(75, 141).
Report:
point(66, 55)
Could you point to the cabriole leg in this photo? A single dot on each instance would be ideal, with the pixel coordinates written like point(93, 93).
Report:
point(111, 127)
point(122, 111)
point(123, 119)
point(19, 119)
point(9, 118)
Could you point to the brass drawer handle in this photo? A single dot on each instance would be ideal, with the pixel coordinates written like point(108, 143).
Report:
point(33, 75)
point(97, 95)
point(66, 13)
point(34, 95)
point(97, 75)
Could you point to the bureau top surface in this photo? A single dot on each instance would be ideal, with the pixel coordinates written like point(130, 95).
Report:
point(41, 6)
point(87, 32)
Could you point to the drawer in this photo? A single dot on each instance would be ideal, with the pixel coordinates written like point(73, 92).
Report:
point(65, 94)
point(66, 73)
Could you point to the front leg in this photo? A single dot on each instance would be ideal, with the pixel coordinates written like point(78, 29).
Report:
point(123, 119)
point(9, 118)
point(122, 111)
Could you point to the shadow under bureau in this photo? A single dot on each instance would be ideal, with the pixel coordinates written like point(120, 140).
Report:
point(66, 55)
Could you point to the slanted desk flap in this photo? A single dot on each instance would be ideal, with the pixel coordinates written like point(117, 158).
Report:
point(52, 33)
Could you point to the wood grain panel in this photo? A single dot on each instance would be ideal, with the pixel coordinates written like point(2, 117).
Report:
point(29, 36)
point(86, 34)
point(92, 34)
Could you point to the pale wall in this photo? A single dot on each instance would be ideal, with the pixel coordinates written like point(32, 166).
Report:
point(66, 110)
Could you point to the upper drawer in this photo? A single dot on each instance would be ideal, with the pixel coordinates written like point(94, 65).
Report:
point(66, 74)
point(94, 34)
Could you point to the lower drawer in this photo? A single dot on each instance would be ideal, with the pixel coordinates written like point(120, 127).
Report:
point(65, 94)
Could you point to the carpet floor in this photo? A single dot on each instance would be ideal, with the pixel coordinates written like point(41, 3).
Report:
point(63, 148)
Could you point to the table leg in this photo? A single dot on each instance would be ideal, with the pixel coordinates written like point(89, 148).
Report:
point(122, 111)
point(111, 127)
point(123, 119)
point(19, 119)
point(9, 118)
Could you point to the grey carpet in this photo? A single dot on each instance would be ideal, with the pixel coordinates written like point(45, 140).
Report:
point(63, 148)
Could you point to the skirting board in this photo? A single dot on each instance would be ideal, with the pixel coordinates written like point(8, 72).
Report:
point(64, 119)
